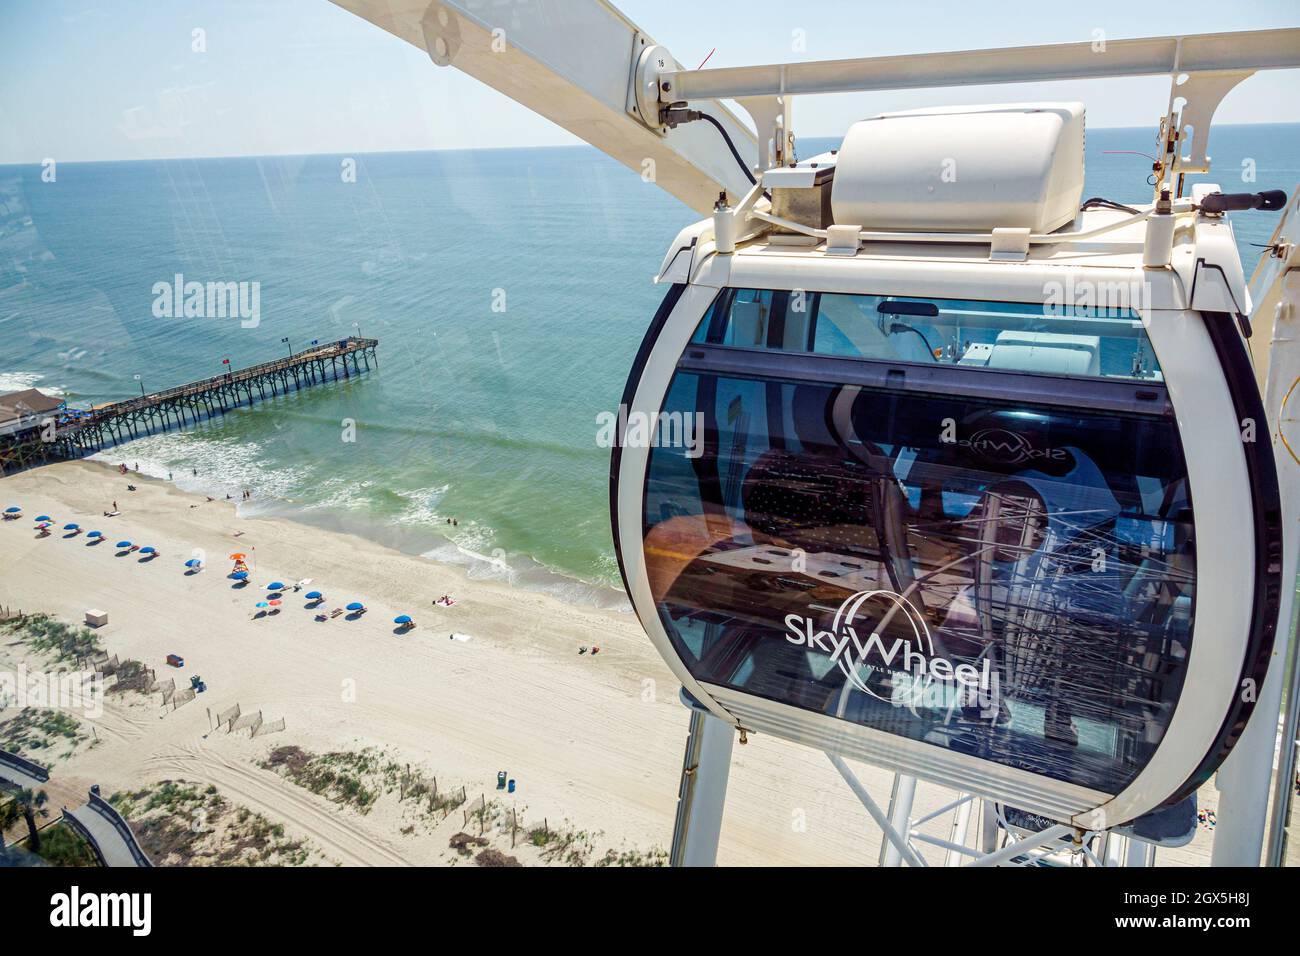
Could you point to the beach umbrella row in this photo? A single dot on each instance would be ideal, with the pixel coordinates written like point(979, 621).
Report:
point(274, 586)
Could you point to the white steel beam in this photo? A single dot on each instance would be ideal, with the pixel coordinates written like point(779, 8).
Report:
point(1243, 780)
point(574, 62)
point(1148, 56)
point(702, 796)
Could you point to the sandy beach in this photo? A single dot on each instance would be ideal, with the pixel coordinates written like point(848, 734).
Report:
point(594, 741)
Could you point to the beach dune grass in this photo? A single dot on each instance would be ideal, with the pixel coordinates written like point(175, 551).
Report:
point(185, 824)
point(36, 731)
point(359, 778)
point(42, 632)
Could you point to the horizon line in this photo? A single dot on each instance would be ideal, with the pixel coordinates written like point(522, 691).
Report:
point(463, 149)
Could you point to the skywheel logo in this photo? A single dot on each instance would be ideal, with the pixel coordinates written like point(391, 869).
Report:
point(1009, 448)
point(855, 644)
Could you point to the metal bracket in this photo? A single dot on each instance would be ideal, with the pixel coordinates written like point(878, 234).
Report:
point(649, 60)
point(1193, 99)
point(441, 34)
point(773, 121)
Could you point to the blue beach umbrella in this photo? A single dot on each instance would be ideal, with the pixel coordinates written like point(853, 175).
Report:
point(94, 534)
point(13, 511)
point(261, 604)
point(402, 619)
point(148, 550)
point(314, 595)
point(356, 606)
point(71, 527)
point(275, 586)
point(193, 563)
point(122, 544)
point(44, 518)
point(240, 575)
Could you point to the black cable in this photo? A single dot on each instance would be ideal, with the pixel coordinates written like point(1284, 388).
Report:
point(904, 327)
point(1108, 204)
point(731, 146)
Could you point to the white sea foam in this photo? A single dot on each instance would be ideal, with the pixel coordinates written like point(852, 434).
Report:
point(227, 465)
point(18, 381)
point(213, 466)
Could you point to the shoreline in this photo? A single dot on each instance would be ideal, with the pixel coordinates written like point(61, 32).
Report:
point(428, 543)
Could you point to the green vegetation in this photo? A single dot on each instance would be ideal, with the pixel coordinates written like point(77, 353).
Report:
point(131, 676)
point(179, 823)
point(25, 805)
point(37, 732)
point(341, 777)
point(656, 856)
point(358, 778)
point(63, 846)
point(42, 632)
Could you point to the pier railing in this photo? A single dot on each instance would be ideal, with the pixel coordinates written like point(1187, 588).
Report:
point(252, 372)
point(77, 433)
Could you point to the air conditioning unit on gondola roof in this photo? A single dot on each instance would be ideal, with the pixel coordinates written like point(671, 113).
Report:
point(962, 169)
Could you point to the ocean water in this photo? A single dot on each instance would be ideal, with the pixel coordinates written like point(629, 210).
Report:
point(509, 290)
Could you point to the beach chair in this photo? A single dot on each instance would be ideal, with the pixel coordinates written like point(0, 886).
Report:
point(336, 612)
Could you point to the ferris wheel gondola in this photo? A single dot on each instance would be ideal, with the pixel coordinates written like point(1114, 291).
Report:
point(938, 521)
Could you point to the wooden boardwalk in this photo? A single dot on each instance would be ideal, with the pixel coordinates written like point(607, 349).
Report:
point(74, 433)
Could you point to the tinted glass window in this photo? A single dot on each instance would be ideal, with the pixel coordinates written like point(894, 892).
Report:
point(1090, 340)
point(1008, 580)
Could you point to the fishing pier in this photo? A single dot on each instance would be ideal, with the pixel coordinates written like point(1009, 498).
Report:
point(71, 433)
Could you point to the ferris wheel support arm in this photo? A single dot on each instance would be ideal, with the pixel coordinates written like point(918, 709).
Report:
point(1246, 821)
point(1149, 56)
point(582, 65)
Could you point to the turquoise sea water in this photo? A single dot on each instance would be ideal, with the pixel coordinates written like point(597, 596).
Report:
point(478, 413)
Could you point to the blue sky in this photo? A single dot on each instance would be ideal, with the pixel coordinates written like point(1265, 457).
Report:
point(117, 79)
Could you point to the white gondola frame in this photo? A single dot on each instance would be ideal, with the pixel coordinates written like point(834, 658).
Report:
point(1218, 479)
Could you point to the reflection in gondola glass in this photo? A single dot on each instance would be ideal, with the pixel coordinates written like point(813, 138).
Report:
point(1005, 578)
